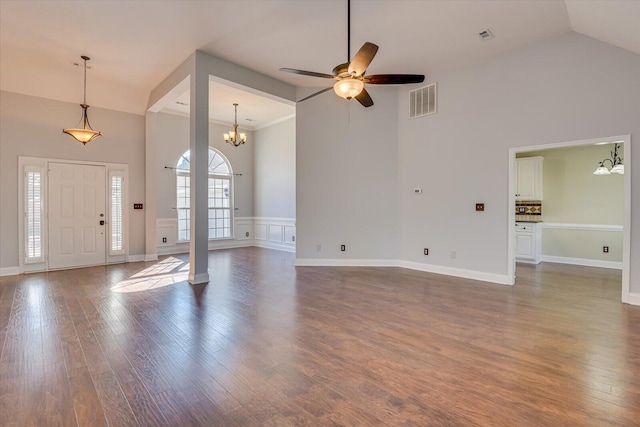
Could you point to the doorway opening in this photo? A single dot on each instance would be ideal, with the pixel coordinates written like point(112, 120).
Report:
point(580, 226)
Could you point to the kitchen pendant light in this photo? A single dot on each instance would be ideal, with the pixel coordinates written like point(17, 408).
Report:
point(616, 163)
point(86, 133)
point(232, 137)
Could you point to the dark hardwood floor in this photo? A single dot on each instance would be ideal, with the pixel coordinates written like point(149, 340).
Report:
point(266, 343)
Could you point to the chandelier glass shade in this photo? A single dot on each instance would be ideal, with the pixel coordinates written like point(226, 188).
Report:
point(233, 137)
point(86, 133)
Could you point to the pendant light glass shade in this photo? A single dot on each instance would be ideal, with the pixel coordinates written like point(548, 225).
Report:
point(86, 133)
point(619, 169)
point(616, 163)
point(602, 170)
point(348, 88)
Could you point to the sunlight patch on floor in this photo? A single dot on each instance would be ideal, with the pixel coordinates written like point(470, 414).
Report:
point(163, 273)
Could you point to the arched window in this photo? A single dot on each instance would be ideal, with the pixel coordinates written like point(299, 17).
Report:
point(220, 196)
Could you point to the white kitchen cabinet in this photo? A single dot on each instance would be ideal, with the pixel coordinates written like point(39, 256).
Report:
point(528, 242)
point(529, 178)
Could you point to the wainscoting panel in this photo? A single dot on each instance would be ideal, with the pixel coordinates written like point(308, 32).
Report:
point(582, 244)
point(273, 233)
point(278, 233)
point(260, 231)
point(290, 235)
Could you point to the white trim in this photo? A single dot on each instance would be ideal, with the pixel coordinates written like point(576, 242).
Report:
point(500, 279)
point(275, 122)
point(626, 232)
point(589, 227)
point(150, 257)
point(10, 271)
point(437, 269)
point(273, 220)
point(320, 262)
point(615, 265)
point(633, 299)
point(139, 258)
point(286, 247)
point(43, 162)
point(199, 278)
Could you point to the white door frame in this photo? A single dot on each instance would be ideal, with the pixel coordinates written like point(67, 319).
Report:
point(42, 164)
point(626, 227)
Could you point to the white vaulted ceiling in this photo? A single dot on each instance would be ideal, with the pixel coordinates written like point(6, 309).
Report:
point(134, 45)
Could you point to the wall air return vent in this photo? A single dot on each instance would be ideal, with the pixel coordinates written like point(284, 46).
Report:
point(422, 102)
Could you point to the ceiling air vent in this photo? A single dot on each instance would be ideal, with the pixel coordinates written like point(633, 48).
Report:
point(422, 102)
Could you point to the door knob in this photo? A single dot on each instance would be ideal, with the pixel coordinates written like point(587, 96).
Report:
point(102, 222)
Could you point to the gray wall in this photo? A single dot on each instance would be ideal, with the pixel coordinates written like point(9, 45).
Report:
point(173, 141)
point(566, 89)
point(31, 126)
point(346, 170)
point(355, 166)
point(275, 170)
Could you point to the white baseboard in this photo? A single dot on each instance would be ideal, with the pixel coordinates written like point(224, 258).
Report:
point(437, 269)
point(286, 247)
point(319, 262)
point(582, 261)
point(199, 278)
point(500, 279)
point(9, 271)
point(634, 299)
point(136, 258)
point(150, 257)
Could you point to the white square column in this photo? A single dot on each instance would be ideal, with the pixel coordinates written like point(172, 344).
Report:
point(199, 145)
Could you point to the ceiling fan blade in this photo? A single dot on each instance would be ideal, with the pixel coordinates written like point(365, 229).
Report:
point(393, 79)
point(314, 94)
point(364, 98)
point(363, 58)
point(306, 73)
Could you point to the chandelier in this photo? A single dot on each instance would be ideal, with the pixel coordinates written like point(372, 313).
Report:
point(616, 163)
point(84, 134)
point(232, 137)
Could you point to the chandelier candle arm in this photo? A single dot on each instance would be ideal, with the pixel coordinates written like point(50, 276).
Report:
point(233, 136)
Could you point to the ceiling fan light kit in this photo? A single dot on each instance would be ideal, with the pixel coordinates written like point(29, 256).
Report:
point(350, 77)
point(348, 88)
point(86, 133)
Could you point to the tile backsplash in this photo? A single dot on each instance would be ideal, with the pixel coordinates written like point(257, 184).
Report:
point(528, 210)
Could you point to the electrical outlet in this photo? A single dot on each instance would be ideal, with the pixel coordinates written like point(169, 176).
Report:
point(426, 251)
point(453, 255)
point(480, 207)
point(293, 238)
point(164, 240)
point(246, 234)
point(343, 248)
point(605, 249)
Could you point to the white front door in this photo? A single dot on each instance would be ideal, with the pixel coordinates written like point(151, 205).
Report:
point(77, 215)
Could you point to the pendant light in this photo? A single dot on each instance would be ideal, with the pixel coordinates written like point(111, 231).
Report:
point(616, 163)
point(232, 137)
point(86, 133)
